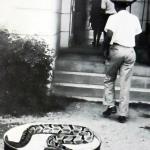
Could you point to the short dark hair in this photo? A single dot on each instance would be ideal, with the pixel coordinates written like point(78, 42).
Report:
point(121, 4)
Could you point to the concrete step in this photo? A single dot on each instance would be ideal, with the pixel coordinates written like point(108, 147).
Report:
point(96, 91)
point(81, 57)
point(81, 76)
point(95, 79)
point(84, 49)
point(78, 66)
point(86, 64)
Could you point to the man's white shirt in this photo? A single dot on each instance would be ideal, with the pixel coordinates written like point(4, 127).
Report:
point(125, 26)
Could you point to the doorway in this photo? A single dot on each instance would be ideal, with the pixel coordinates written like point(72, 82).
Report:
point(80, 23)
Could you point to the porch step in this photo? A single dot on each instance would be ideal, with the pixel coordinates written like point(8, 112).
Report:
point(97, 91)
point(95, 67)
point(91, 64)
point(96, 79)
point(81, 76)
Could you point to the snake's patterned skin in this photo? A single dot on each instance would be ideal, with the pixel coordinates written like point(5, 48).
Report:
point(59, 134)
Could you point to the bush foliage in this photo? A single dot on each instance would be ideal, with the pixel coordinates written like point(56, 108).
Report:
point(24, 74)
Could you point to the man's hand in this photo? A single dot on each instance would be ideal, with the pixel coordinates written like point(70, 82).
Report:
point(106, 54)
point(106, 44)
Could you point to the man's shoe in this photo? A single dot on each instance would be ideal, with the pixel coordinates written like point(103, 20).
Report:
point(122, 119)
point(109, 111)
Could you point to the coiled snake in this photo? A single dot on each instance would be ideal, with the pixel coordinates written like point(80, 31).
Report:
point(59, 134)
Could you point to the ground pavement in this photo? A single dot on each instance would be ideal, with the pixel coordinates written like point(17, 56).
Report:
point(132, 135)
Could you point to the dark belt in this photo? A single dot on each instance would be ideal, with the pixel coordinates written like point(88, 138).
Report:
point(117, 44)
point(121, 45)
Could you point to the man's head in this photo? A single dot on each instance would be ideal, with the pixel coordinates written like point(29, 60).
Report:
point(122, 4)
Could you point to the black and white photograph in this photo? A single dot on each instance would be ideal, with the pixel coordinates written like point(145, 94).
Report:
point(74, 74)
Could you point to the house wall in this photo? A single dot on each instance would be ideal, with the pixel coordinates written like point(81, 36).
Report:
point(32, 17)
point(65, 22)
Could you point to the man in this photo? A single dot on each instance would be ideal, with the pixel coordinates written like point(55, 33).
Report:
point(100, 11)
point(121, 30)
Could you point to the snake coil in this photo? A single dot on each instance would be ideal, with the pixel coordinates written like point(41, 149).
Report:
point(59, 134)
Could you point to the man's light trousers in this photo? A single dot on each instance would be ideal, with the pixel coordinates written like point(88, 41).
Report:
point(121, 61)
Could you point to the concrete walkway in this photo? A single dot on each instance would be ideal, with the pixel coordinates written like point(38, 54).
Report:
point(132, 135)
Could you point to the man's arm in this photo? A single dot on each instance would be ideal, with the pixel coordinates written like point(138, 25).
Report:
point(137, 39)
point(138, 31)
point(106, 43)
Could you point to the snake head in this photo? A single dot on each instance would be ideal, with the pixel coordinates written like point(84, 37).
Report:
point(6, 138)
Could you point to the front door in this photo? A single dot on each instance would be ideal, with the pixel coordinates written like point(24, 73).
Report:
point(79, 22)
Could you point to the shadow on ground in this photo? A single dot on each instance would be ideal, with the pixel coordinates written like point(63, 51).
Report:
point(50, 103)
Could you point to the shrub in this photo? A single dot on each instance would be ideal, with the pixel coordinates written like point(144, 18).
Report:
point(24, 74)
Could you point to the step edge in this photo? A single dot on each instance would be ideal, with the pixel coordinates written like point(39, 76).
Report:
point(95, 74)
point(92, 86)
point(82, 73)
point(99, 99)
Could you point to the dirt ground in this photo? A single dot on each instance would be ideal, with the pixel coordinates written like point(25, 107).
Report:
point(132, 135)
